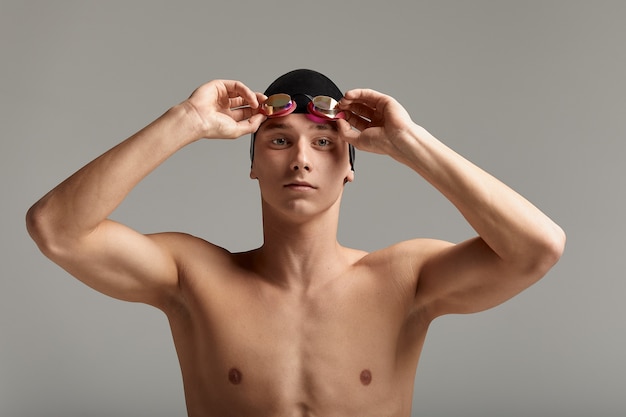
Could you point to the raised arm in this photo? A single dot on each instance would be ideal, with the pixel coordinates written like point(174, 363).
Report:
point(70, 224)
point(516, 244)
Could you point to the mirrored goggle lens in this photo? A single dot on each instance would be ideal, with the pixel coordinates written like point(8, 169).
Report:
point(278, 105)
point(324, 106)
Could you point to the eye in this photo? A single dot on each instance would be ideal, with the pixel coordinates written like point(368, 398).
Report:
point(279, 141)
point(323, 142)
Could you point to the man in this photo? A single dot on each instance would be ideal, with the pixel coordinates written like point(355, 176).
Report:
point(300, 326)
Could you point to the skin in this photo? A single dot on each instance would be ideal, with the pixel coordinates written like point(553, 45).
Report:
point(301, 326)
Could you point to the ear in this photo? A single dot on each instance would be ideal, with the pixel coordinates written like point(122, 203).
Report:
point(349, 177)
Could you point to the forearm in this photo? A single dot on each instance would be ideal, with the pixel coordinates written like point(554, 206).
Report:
point(80, 203)
point(511, 226)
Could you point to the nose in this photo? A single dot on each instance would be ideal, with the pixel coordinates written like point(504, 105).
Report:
point(301, 160)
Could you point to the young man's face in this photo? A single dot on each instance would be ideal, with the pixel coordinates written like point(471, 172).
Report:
point(301, 165)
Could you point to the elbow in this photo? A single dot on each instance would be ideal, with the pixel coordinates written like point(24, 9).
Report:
point(556, 245)
point(40, 228)
point(550, 249)
point(36, 224)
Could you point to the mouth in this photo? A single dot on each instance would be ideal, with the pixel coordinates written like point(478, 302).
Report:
point(300, 185)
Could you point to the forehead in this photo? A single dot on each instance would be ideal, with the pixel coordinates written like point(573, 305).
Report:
point(295, 122)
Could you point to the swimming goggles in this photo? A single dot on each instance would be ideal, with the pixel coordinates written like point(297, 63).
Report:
point(321, 107)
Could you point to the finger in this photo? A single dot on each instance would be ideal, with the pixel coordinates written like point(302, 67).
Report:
point(366, 98)
point(256, 120)
point(358, 122)
point(241, 113)
point(361, 110)
point(237, 102)
point(249, 125)
point(347, 133)
point(239, 89)
point(364, 95)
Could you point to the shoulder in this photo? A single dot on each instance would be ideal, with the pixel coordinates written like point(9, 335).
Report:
point(186, 248)
point(407, 254)
point(179, 239)
point(402, 262)
point(395, 270)
point(201, 264)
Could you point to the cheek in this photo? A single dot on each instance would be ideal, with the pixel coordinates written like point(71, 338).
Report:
point(265, 165)
point(341, 164)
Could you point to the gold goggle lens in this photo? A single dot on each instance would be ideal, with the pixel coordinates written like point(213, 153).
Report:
point(277, 103)
point(325, 105)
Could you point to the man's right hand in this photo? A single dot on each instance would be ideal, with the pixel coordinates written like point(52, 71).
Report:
point(226, 109)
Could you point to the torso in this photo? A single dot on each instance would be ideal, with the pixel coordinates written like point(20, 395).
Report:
point(248, 347)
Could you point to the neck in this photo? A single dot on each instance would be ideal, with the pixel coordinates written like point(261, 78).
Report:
point(298, 251)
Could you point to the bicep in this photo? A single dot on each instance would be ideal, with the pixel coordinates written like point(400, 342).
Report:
point(465, 278)
point(123, 263)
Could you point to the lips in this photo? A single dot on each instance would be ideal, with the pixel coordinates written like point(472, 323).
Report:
point(300, 185)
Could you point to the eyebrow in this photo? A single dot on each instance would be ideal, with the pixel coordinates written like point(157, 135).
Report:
point(280, 125)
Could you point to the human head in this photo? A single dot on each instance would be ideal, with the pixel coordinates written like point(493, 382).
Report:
point(301, 84)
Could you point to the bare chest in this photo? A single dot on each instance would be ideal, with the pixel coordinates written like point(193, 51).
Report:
point(269, 347)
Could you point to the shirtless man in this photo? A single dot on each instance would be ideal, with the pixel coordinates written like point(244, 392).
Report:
point(301, 326)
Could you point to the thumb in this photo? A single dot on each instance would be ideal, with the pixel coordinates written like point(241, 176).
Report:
point(347, 133)
point(250, 125)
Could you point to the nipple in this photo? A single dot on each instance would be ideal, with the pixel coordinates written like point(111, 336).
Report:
point(366, 377)
point(234, 376)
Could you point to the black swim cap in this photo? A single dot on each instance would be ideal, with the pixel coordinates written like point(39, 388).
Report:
point(302, 82)
point(299, 84)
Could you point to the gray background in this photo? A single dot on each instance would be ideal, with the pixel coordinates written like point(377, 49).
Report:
point(532, 91)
